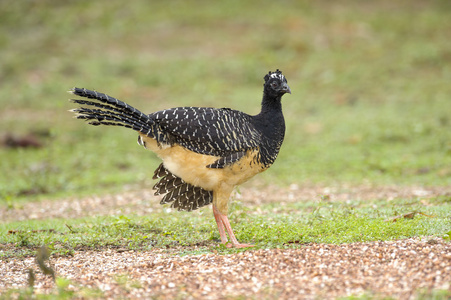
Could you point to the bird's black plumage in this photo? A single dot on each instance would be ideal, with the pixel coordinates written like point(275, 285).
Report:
point(221, 132)
point(206, 130)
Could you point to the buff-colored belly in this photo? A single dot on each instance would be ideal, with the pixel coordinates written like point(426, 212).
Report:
point(191, 166)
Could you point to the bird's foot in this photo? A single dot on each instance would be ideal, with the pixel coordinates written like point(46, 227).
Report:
point(243, 245)
point(223, 226)
point(229, 245)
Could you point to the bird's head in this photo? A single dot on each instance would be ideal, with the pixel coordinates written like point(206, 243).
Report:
point(276, 84)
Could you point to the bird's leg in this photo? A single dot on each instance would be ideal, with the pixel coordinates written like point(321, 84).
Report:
point(222, 222)
point(220, 225)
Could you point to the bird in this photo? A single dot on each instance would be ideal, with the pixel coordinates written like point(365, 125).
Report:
point(206, 152)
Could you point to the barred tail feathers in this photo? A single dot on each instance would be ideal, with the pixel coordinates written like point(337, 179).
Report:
point(107, 110)
point(182, 195)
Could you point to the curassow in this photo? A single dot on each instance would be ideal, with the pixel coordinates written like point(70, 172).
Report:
point(206, 152)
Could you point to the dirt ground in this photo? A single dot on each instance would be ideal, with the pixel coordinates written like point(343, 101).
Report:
point(400, 269)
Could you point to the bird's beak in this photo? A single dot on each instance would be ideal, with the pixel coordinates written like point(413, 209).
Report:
point(286, 88)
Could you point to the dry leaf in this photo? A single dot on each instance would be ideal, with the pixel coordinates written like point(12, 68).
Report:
point(409, 215)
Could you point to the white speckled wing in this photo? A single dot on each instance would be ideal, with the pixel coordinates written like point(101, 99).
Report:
point(209, 130)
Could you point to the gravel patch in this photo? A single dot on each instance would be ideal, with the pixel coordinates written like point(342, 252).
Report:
point(398, 269)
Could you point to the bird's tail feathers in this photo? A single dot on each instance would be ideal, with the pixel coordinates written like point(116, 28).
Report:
point(107, 110)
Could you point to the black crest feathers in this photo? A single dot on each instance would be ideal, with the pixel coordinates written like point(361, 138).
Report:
point(276, 74)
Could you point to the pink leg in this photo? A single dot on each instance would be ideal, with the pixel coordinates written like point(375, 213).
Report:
point(220, 226)
point(222, 222)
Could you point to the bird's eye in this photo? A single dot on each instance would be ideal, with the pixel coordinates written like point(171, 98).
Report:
point(274, 84)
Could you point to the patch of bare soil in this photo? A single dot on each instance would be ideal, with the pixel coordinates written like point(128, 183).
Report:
point(398, 269)
point(143, 202)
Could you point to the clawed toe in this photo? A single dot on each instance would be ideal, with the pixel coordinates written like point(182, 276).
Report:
point(229, 245)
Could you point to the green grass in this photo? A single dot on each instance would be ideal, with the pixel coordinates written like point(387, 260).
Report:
point(194, 233)
point(419, 295)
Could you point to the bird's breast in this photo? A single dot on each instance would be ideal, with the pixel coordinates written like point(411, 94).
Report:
point(192, 166)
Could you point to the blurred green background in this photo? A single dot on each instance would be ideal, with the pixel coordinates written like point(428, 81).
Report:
point(370, 80)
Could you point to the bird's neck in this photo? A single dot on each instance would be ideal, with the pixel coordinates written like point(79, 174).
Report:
point(271, 105)
point(271, 124)
point(270, 119)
